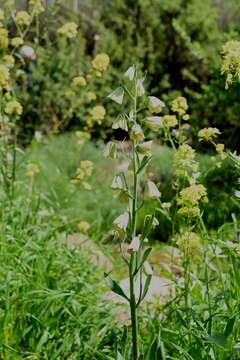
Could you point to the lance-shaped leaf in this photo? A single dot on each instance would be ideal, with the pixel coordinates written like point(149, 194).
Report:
point(156, 350)
point(146, 287)
point(145, 161)
point(142, 260)
point(113, 285)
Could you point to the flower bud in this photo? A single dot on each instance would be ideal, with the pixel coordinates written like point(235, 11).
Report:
point(130, 73)
point(154, 123)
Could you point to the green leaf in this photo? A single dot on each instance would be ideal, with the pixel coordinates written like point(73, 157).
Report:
point(218, 339)
point(229, 327)
point(147, 225)
point(145, 161)
point(146, 287)
point(113, 285)
point(156, 350)
point(143, 259)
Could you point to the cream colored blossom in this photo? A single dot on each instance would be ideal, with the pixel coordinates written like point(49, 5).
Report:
point(135, 244)
point(98, 113)
point(154, 123)
point(152, 191)
point(145, 148)
point(68, 30)
point(36, 6)
point(155, 105)
point(23, 18)
point(137, 133)
point(129, 74)
point(13, 107)
point(117, 95)
point(189, 212)
point(121, 222)
point(169, 121)
point(117, 183)
point(231, 61)
point(101, 62)
point(91, 96)
point(9, 61)
point(208, 134)
point(147, 269)
point(166, 205)
point(179, 105)
point(140, 88)
point(190, 240)
point(83, 172)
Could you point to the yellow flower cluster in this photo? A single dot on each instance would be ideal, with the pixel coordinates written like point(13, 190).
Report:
point(79, 81)
point(192, 195)
point(101, 62)
point(23, 18)
point(180, 106)
point(184, 161)
point(85, 170)
point(4, 41)
point(97, 114)
point(169, 121)
point(91, 96)
point(68, 30)
point(82, 136)
point(13, 107)
point(1, 15)
point(36, 6)
point(4, 78)
point(231, 61)
point(208, 134)
point(191, 240)
point(9, 60)
point(16, 42)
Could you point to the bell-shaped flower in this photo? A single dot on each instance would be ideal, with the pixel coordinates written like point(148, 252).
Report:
point(110, 150)
point(117, 95)
point(135, 244)
point(121, 222)
point(154, 123)
point(130, 73)
point(155, 105)
point(152, 191)
point(140, 87)
point(117, 183)
point(145, 148)
point(121, 123)
point(137, 133)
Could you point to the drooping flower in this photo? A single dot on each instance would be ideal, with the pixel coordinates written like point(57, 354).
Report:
point(68, 30)
point(135, 244)
point(101, 62)
point(121, 222)
point(152, 191)
point(155, 105)
point(129, 74)
point(154, 123)
point(179, 105)
point(117, 183)
point(147, 269)
point(208, 134)
point(110, 150)
point(140, 88)
point(145, 147)
point(137, 133)
point(117, 95)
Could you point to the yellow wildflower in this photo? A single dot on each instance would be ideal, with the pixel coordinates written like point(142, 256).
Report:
point(9, 60)
point(4, 77)
point(231, 61)
point(16, 41)
point(91, 96)
point(208, 134)
point(192, 194)
point(23, 18)
point(98, 113)
point(13, 107)
point(100, 62)
point(169, 121)
point(79, 80)
point(191, 240)
point(4, 41)
point(184, 161)
point(82, 136)
point(179, 105)
point(137, 133)
point(37, 6)
point(1, 15)
point(190, 212)
point(68, 30)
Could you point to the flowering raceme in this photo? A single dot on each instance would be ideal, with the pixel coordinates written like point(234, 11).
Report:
point(13, 107)
point(208, 134)
point(68, 30)
point(184, 161)
point(192, 194)
point(23, 18)
point(231, 61)
point(4, 41)
point(101, 62)
point(4, 77)
point(179, 105)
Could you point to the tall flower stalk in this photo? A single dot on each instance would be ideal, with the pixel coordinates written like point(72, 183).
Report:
point(134, 253)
